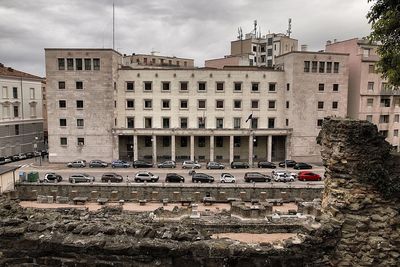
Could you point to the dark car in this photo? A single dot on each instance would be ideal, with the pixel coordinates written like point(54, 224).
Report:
point(167, 164)
point(250, 177)
point(52, 177)
point(266, 164)
point(215, 165)
point(141, 164)
point(288, 163)
point(202, 178)
point(81, 178)
point(97, 163)
point(119, 164)
point(111, 177)
point(302, 166)
point(174, 178)
point(30, 155)
point(239, 165)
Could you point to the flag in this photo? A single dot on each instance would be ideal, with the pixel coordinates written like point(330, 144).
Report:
point(250, 117)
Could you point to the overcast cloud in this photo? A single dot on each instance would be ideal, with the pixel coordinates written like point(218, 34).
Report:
point(199, 29)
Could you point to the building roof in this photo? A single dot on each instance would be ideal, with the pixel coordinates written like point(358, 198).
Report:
point(82, 49)
point(6, 169)
point(10, 72)
point(311, 52)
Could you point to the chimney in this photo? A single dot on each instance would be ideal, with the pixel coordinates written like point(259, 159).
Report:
point(304, 47)
point(1, 65)
point(10, 69)
point(334, 40)
point(328, 42)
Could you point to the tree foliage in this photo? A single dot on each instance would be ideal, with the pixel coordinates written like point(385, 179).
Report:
point(384, 17)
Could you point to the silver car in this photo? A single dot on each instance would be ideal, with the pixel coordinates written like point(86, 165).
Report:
point(146, 176)
point(76, 164)
point(189, 164)
point(81, 178)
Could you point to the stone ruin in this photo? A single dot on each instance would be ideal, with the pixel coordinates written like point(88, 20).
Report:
point(356, 224)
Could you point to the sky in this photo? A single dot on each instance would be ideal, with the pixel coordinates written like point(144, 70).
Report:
point(198, 29)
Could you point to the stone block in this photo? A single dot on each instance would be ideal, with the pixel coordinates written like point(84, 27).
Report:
point(176, 196)
point(134, 196)
point(54, 193)
point(94, 195)
point(142, 202)
point(41, 199)
point(284, 196)
point(197, 196)
point(154, 196)
point(62, 200)
point(34, 194)
point(50, 199)
point(243, 195)
point(222, 196)
point(263, 196)
point(73, 194)
point(114, 195)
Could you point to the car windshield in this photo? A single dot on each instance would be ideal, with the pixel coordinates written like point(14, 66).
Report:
point(85, 174)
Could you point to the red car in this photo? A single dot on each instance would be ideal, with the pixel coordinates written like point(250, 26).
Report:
point(308, 176)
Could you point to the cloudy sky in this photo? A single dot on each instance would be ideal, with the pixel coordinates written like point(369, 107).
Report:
point(199, 29)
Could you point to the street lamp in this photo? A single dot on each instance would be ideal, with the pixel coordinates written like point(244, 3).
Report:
point(35, 146)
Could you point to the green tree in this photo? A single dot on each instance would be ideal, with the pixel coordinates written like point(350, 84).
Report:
point(384, 17)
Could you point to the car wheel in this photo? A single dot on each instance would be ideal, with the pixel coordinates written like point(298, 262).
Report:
point(319, 179)
point(250, 181)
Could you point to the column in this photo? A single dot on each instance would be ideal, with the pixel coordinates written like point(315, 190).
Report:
point(211, 147)
point(154, 140)
point(288, 154)
point(173, 156)
point(135, 147)
point(115, 152)
point(251, 151)
point(230, 149)
point(192, 147)
point(269, 150)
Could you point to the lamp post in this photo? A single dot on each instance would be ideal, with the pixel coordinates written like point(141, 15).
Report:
point(35, 146)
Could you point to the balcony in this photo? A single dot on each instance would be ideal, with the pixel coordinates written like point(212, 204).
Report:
point(390, 92)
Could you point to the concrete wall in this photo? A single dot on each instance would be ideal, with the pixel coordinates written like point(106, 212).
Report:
point(6, 182)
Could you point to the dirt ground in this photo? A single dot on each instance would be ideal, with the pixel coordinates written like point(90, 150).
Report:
point(254, 238)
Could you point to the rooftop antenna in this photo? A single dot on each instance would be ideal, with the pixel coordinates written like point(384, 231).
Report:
point(240, 37)
point(113, 27)
point(289, 31)
point(255, 28)
point(153, 52)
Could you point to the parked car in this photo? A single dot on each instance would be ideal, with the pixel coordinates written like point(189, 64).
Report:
point(189, 164)
point(251, 177)
point(174, 178)
point(119, 164)
point(30, 155)
point(287, 163)
point(76, 164)
point(167, 164)
point(227, 178)
point(308, 176)
point(266, 164)
point(145, 176)
point(8, 159)
point(52, 177)
point(141, 164)
point(81, 178)
point(2, 160)
point(22, 156)
point(97, 163)
point(302, 166)
point(283, 176)
point(215, 165)
point(111, 177)
point(202, 178)
point(239, 165)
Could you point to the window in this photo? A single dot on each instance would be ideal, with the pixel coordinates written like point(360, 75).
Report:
point(254, 48)
point(61, 64)
point(370, 102)
point(236, 123)
point(78, 62)
point(148, 104)
point(219, 123)
point(147, 122)
point(321, 67)
point(287, 86)
point(32, 93)
point(184, 141)
point(336, 67)
point(320, 104)
point(184, 104)
point(81, 141)
point(33, 110)
point(287, 122)
point(396, 132)
point(62, 103)
point(80, 123)
point(369, 118)
point(237, 86)
point(334, 105)
point(165, 104)
point(70, 64)
point(130, 122)
point(201, 104)
point(63, 141)
point(366, 52)
point(269, 41)
point(165, 123)
point(319, 122)
point(15, 92)
point(396, 118)
point(184, 123)
point(287, 104)
point(220, 86)
point(271, 122)
point(384, 133)
point(384, 119)
point(237, 104)
point(370, 86)
point(166, 141)
point(16, 129)
point(328, 67)
point(63, 122)
point(201, 122)
point(269, 63)
point(88, 64)
point(385, 102)
point(96, 63)
point(148, 86)
point(130, 86)
point(201, 141)
point(147, 141)
point(219, 141)
point(79, 85)
point(269, 52)
point(16, 111)
point(183, 86)
point(306, 66)
point(254, 87)
point(321, 87)
point(254, 123)
point(236, 141)
point(5, 92)
point(314, 66)
point(130, 104)
point(79, 104)
point(335, 87)
point(61, 85)
point(165, 86)
point(219, 104)
point(202, 86)
point(271, 104)
point(371, 68)
point(271, 87)
point(254, 104)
